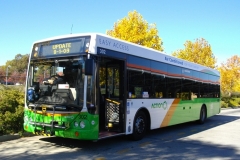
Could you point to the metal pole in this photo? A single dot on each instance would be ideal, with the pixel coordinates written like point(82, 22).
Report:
point(6, 75)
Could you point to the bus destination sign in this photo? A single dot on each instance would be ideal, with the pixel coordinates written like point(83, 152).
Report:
point(64, 47)
point(61, 48)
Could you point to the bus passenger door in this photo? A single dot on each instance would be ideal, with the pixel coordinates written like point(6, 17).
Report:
point(111, 78)
point(114, 101)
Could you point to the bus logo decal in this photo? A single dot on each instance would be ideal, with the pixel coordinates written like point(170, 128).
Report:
point(160, 105)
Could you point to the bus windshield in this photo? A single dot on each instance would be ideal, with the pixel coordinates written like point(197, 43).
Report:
point(56, 83)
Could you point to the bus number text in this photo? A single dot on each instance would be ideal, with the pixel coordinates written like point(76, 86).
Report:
point(102, 51)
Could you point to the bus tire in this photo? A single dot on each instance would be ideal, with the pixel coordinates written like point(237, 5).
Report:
point(203, 115)
point(139, 126)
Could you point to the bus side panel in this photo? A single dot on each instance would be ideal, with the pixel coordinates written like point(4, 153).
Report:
point(186, 111)
point(157, 108)
point(189, 110)
point(179, 113)
point(167, 112)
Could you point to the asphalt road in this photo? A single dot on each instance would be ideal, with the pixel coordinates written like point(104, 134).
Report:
point(218, 138)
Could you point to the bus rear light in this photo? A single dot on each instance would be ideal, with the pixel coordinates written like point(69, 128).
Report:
point(26, 127)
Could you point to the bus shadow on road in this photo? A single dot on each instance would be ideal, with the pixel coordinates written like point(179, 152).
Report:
point(165, 134)
point(189, 128)
point(164, 141)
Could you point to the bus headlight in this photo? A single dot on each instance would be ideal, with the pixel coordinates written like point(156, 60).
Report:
point(76, 124)
point(82, 124)
point(26, 118)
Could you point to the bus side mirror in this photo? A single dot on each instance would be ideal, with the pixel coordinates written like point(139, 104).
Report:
point(89, 67)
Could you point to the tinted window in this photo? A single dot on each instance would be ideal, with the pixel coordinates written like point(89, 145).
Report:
point(159, 86)
point(204, 90)
point(135, 83)
point(190, 90)
point(173, 87)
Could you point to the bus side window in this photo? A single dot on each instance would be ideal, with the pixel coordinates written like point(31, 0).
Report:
point(138, 92)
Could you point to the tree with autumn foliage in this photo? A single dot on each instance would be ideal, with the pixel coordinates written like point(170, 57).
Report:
point(230, 75)
point(19, 63)
point(17, 69)
point(198, 52)
point(135, 29)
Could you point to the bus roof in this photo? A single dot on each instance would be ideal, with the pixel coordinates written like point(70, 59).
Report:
point(111, 43)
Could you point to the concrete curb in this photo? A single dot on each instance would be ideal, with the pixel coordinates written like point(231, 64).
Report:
point(14, 136)
point(9, 137)
point(230, 108)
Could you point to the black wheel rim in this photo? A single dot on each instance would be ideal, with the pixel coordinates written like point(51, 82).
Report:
point(140, 125)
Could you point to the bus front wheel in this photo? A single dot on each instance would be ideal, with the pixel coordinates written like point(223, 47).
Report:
point(139, 126)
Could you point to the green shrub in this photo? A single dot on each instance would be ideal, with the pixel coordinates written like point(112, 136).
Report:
point(230, 100)
point(226, 98)
point(224, 104)
point(238, 101)
point(234, 102)
point(11, 110)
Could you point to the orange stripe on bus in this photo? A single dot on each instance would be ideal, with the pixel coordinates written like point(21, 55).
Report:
point(170, 112)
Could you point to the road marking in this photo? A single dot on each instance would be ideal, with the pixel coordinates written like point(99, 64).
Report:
point(123, 151)
point(144, 144)
point(100, 158)
point(181, 133)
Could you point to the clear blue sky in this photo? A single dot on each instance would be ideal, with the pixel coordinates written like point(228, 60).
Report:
point(24, 21)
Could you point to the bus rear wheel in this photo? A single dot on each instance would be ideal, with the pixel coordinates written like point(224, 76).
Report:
point(139, 126)
point(203, 115)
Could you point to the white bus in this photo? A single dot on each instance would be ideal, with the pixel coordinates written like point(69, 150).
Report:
point(92, 86)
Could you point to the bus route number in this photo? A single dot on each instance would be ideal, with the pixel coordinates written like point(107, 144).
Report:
point(102, 51)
